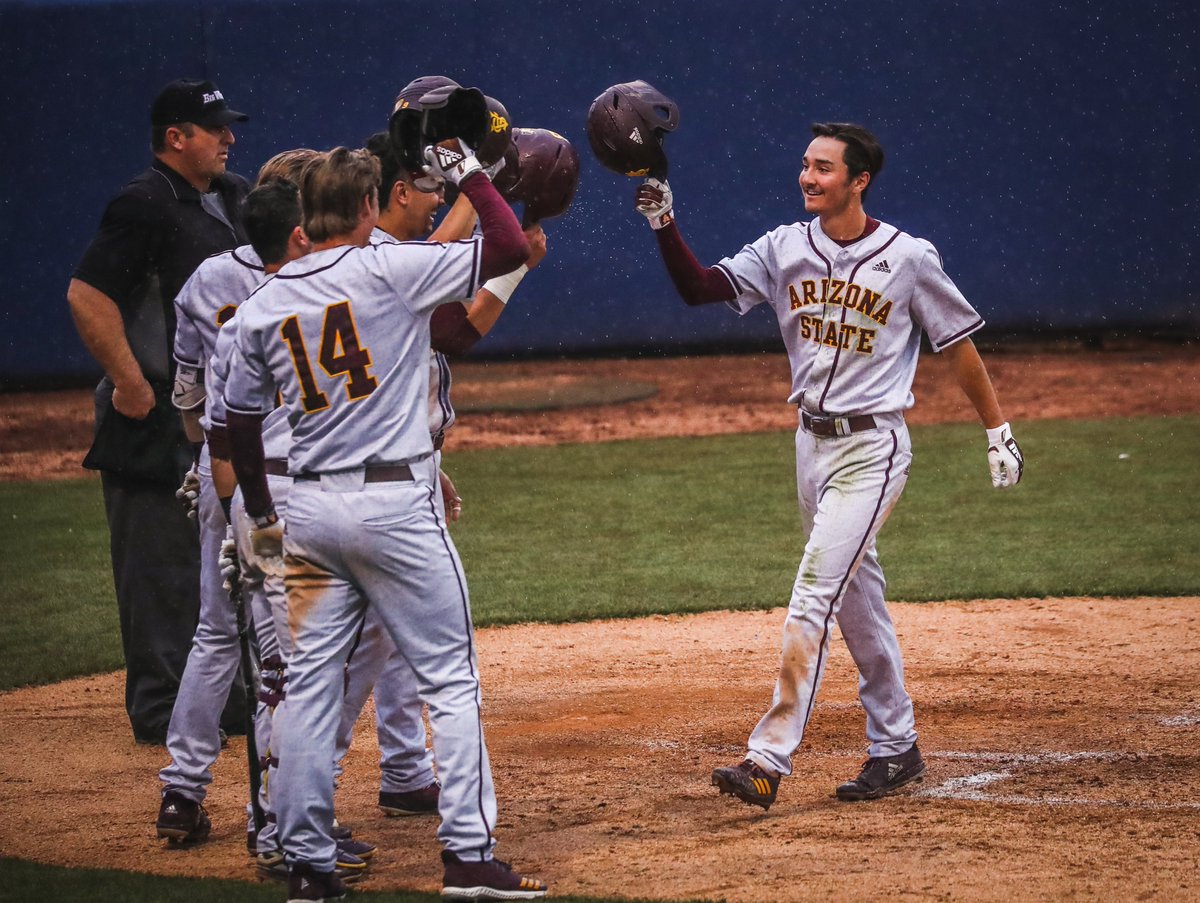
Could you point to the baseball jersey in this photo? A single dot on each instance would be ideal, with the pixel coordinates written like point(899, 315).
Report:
point(441, 411)
point(344, 334)
point(276, 433)
point(209, 298)
point(851, 317)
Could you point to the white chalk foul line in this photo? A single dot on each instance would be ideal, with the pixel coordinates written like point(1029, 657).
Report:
point(970, 787)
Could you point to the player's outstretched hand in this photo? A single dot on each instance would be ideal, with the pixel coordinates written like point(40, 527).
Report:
point(654, 201)
point(228, 560)
point(188, 493)
point(451, 160)
point(537, 245)
point(1004, 457)
point(266, 541)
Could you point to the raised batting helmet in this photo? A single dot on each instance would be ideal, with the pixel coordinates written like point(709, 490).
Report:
point(433, 108)
point(541, 170)
point(626, 126)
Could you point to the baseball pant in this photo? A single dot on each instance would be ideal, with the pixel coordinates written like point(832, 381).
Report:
point(193, 739)
point(405, 764)
point(350, 544)
point(267, 600)
point(847, 486)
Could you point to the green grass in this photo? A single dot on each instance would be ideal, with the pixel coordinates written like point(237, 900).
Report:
point(58, 614)
point(21, 880)
point(678, 525)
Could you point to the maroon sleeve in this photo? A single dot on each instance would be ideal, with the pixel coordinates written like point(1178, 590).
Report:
point(504, 245)
point(695, 284)
point(249, 465)
point(451, 332)
point(218, 442)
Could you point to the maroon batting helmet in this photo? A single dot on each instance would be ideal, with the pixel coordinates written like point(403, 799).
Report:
point(542, 171)
point(626, 126)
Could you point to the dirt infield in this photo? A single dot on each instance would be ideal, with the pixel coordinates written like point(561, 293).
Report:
point(1061, 735)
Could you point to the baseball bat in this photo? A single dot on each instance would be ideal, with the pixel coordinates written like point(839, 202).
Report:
point(250, 684)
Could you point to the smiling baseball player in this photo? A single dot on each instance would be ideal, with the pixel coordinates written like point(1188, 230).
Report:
point(852, 296)
point(346, 339)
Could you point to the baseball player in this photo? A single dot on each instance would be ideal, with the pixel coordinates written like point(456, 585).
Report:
point(208, 299)
point(273, 222)
point(407, 785)
point(344, 334)
point(852, 296)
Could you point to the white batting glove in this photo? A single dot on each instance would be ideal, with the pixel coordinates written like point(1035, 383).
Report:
point(654, 201)
point(451, 161)
point(1004, 457)
point(188, 493)
point(228, 560)
point(266, 542)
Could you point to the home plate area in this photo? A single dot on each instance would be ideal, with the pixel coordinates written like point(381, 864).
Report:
point(1125, 780)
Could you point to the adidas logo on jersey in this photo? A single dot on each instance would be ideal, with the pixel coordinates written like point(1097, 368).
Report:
point(447, 158)
point(882, 267)
point(636, 136)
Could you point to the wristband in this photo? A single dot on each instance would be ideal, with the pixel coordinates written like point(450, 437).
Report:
point(503, 286)
point(265, 520)
point(997, 434)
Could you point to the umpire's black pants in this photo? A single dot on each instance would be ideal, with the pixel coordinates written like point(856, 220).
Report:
point(156, 574)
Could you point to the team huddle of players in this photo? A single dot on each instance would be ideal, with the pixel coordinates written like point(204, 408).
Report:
point(312, 364)
point(312, 361)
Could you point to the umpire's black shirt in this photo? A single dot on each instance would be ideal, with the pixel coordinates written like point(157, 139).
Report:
point(151, 238)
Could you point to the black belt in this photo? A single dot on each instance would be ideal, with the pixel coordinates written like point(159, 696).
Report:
point(439, 439)
point(836, 426)
point(375, 473)
point(276, 467)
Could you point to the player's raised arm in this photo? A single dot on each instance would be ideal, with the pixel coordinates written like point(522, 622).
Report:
point(626, 126)
point(695, 283)
point(504, 245)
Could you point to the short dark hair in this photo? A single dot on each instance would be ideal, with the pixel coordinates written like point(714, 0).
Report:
point(391, 170)
point(862, 153)
point(271, 212)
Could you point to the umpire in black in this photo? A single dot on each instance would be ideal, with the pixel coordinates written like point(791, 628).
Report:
point(153, 234)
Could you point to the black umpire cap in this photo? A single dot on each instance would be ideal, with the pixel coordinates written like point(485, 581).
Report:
point(192, 100)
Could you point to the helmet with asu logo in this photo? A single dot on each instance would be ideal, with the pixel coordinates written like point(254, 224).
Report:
point(626, 126)
point(498, 138)
point(541, 170)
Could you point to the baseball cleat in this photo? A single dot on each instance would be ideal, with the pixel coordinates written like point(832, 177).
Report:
point(748, 782)
point(273, 865)
point(489, 880)
point(181, 820)
point(360, 849)
point(412, 802)
point(883, 776)
point(307, 885)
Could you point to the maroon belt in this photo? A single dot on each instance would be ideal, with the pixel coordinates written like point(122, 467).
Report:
point(276, 467)
point(375, 473)
point(837, 426)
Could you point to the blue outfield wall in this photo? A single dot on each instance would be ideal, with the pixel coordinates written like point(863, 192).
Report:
point(1048, 149)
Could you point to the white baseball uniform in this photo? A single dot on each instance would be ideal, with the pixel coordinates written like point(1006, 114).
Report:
point(209, 298)
point(851, 317)
point(264, 594)
point(344, 333)
point(405, 763)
